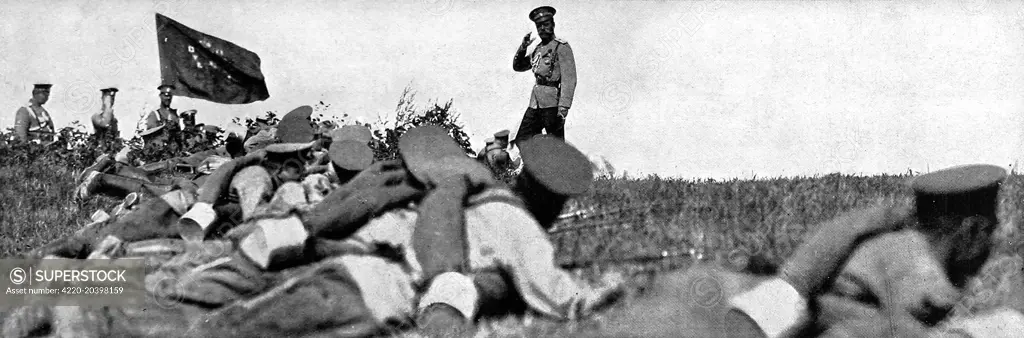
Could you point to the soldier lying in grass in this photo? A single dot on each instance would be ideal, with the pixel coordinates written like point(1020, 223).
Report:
point(381, 289)
point(906, 284)
point(233, 191)
point(114, 178)
point(906, 272)
point(385, 286)
point(288, 172)
point(205, 276)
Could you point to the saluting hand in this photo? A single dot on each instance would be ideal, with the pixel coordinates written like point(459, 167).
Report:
point(527, 41)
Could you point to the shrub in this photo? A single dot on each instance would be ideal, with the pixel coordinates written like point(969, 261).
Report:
point(387, 132)
point(407, 116)
point(73, 148)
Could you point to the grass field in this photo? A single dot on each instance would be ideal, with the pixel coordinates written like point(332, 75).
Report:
point(628, 223)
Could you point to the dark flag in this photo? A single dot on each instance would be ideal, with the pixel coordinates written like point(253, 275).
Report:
point(205, 67)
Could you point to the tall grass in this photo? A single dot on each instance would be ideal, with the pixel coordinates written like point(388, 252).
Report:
point(36, 206)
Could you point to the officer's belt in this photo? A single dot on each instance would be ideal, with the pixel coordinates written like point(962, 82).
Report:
point(548, 83)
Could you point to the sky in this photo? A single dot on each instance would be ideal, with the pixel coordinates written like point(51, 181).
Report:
point(688, 89)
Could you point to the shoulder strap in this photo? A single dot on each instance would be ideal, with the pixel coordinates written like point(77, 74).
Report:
point(554, 63)
point(49, 119)
point(35, 116)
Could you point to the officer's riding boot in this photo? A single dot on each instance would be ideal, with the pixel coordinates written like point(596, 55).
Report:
point(121, 186)
point(156, 168)
point(153, 218)
point(132, 172)
point(100, 165)
point(443, 320)
point(498, 298)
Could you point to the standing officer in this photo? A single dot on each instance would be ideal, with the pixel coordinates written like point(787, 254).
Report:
point(164, 116)
point(104, 123)
point(168, 118)
point(32, 122)
point(555, 72)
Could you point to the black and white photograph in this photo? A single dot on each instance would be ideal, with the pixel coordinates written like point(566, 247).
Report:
point(472, 168)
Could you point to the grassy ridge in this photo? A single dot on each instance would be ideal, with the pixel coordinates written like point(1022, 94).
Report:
point(36, 206)
point(737, 217)
point(726, 221)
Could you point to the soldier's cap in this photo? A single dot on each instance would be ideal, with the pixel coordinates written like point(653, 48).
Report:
point(353, 132)
point(110, 90)
point(166, 88)
point(501, 134)
point(542, 13)
point(962, 190)
point(351, 155)
point(151, 131)
point(263, 119)
point(424, 148)
point(44, 86)
point(188, 112)
point(294, 134)
point(556, 165)
point(301, 113)
point(493, 147)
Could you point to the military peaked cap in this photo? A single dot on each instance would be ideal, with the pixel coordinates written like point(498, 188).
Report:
point(556, 165)
point(963, 190)
point(543, 12)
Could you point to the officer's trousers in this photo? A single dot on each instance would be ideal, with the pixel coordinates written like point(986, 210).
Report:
point(537, 119)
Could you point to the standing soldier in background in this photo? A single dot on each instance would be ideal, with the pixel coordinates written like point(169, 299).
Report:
point(165, 116)
point(188, 119)
point(482, 154)
point(555, 71)
point(501, 141)
point(262, 123)
point(260, 136)
point(32, 122)
point(104, 123)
